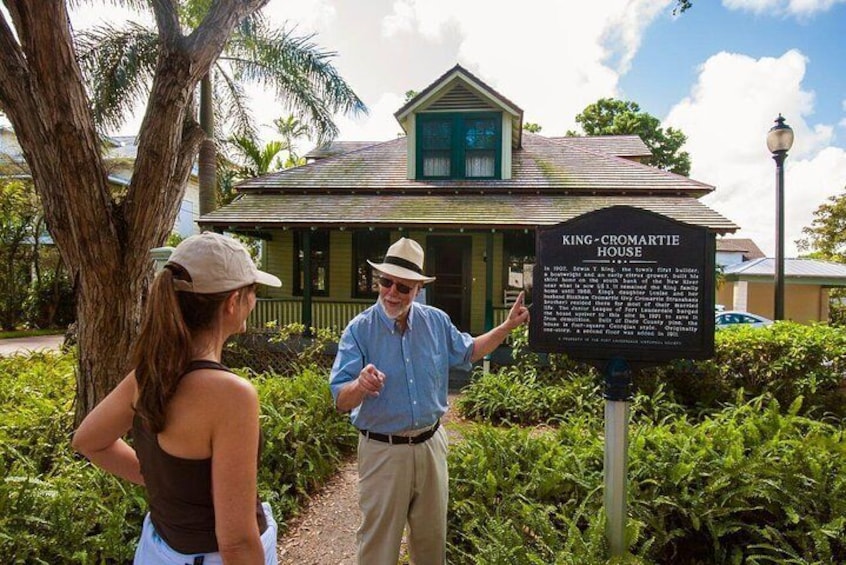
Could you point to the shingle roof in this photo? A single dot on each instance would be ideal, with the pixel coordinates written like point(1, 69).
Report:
point(451, 210)
point(541, 164)
point(337, 148)
point(746, 246)
point(810, 270)
point(617, 145)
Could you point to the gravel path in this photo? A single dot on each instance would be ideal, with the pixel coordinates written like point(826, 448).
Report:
point(324, 534)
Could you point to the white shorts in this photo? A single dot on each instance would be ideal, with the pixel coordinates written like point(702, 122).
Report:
point(153, 550)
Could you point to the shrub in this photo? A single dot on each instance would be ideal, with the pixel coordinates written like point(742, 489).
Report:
point(518, 396)
point(786, 360)
point(284, 351)
point(754, 483)
point(305, 438)
point(50, 301)
point(520, 497)
point(55, 507)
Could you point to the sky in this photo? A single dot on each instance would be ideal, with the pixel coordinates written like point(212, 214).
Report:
point(721, 73)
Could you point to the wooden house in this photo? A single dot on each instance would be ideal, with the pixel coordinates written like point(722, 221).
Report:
point(465, 181)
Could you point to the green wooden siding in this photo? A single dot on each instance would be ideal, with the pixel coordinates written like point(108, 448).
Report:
point(278, 259)
point(340, 264)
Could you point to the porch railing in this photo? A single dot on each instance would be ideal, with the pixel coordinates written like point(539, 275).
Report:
point(336, 315)
point(500, 314)
point(324, 314)
point(283, 311)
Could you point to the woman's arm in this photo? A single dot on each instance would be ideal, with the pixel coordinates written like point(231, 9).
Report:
point(235, 439)
point(99, 437)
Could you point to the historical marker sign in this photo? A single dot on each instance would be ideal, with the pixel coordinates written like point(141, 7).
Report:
point(624, 282)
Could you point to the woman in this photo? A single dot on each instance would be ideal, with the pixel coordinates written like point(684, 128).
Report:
point(195, 425)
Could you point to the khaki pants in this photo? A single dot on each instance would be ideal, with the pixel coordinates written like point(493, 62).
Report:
point(399, 484)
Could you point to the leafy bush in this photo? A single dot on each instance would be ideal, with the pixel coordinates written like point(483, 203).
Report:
point(786, 360)
point(518, 396)
point(754, 483)
point(519, 497)
point(284, 351)
point(55, 507)
point(751, 484)
point(50, 301)
point(305, 438)
point(525, 395)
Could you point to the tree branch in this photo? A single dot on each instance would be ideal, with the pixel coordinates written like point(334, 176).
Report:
point(167, 21)
point(47, 104)
point(14, 74)
point(157, 183)
point(207, 41)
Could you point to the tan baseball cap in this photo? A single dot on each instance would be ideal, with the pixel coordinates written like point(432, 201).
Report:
point(217, 263)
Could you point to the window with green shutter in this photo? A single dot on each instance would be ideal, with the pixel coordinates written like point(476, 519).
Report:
point(459, 145)
point(370, 244)
point(319, 263)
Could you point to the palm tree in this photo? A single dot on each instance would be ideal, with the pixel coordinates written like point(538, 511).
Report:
point(119, 64)
point(259, 160)
point(290, 128)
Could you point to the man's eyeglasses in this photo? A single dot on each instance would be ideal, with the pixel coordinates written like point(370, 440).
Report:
point(388, 283)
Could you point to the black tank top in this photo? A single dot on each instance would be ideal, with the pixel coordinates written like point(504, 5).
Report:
point(179, 490)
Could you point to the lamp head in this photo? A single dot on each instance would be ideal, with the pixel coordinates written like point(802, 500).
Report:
point(780, 137)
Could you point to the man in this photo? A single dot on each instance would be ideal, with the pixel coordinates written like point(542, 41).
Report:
point(391, 373)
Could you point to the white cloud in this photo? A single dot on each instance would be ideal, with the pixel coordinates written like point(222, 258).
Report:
point(580, 56)
point(799, 8)
point(308, 15)
point(726, 118)
point(378, 125)
point(85, 16)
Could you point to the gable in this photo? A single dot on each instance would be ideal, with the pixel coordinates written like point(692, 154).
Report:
point(457, 98)
point(459, 91)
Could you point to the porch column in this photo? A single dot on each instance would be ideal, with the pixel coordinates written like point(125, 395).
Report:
point(489, 277)
point(306, 271)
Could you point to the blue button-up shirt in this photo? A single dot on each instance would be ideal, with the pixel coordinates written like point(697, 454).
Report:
point(416, 365)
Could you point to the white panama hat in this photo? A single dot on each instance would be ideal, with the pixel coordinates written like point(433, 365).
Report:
point(403, 260)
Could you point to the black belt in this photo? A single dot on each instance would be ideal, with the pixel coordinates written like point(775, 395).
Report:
point(402, 440)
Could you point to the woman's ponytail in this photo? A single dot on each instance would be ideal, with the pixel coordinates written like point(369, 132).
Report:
point(162, 351)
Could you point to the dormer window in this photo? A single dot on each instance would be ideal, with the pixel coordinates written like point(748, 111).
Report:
point(459, 145)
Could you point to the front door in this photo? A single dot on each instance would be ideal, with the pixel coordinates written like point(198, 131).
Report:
point(448, 259)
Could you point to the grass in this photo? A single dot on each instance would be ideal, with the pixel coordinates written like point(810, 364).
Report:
point(29, 333)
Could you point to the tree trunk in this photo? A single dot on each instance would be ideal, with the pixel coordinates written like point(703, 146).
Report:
point(207, 163)
point(105, 326)
point(105, 242)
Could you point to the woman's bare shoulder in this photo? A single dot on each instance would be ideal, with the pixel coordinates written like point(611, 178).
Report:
point(215, 385)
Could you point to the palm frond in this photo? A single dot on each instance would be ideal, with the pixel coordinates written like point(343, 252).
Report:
point(232, 105)
point(138, 5)
point(118, 64)
point(301, 74)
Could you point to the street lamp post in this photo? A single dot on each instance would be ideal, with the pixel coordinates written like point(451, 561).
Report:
point(779, 142)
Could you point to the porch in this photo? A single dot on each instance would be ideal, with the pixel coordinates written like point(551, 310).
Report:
point(324, 314)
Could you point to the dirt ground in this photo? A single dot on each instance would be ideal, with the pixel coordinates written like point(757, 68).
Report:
point(324, 534)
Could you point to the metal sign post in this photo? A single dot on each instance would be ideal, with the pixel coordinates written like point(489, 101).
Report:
point(618, 395)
